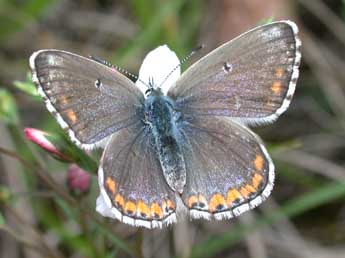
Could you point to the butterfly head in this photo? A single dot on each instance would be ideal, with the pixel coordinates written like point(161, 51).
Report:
point(151, 88)
point(160, 110)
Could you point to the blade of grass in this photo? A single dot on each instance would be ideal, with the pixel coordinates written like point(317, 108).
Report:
point(292, 208)
point(71, 201)
point(103, 229)
point(150, 32)
point(15, 17)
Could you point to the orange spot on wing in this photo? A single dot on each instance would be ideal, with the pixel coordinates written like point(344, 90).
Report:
point(192, 200)
point(216, 201)
point(168, 206)
point(71, 115)
point(232, 196)
point(256, 181)
point(143, 210)
point(250, 188)
point(156, 211)
point(259, 162)
point(120, 202)
point(279, 72)
point(171, 204)
point(276, 87)
point(64, 100)
point(130, 207)
point(111, 185)
point(244, 192)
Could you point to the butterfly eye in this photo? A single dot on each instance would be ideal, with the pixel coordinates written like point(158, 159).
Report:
point(98, 83)
point(148, 91)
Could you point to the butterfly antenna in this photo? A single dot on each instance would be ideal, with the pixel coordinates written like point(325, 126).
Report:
point(118, 68)
point(185, 59)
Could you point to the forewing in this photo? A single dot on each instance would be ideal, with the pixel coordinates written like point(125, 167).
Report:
point(228, 168)
point(88, 99)
point(251, 78)
point(132, 183)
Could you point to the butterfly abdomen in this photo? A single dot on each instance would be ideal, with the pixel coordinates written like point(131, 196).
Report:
point(162, 118)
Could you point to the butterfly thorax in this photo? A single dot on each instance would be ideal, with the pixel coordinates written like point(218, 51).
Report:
point(162, 119)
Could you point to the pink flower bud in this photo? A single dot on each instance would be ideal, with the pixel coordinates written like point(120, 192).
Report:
point(40, 138)
point(78, 179)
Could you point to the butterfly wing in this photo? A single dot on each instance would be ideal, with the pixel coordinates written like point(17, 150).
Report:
point(228, 168)
point(88, 99)
point(251, 78)
point(132, 183)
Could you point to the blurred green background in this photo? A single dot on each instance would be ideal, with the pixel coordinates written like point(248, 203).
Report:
point(41, 216)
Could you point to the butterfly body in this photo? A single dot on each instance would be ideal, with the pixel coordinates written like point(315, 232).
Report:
point(162, 118)
point(186, 143)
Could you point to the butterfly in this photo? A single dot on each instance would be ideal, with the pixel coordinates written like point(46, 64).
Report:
point(181, 143)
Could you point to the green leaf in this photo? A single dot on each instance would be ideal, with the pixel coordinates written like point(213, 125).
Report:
point(142, 10)
point(2, 220)
point(15, 15)
point(72, 152)
point(8, 108)
point(27, 86)
point(67, 209)
point(36, 8)
point(151, 32)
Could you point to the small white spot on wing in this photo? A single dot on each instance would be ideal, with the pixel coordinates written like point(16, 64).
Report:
point(98, 83)
point(227, 67)
point(53, 110)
